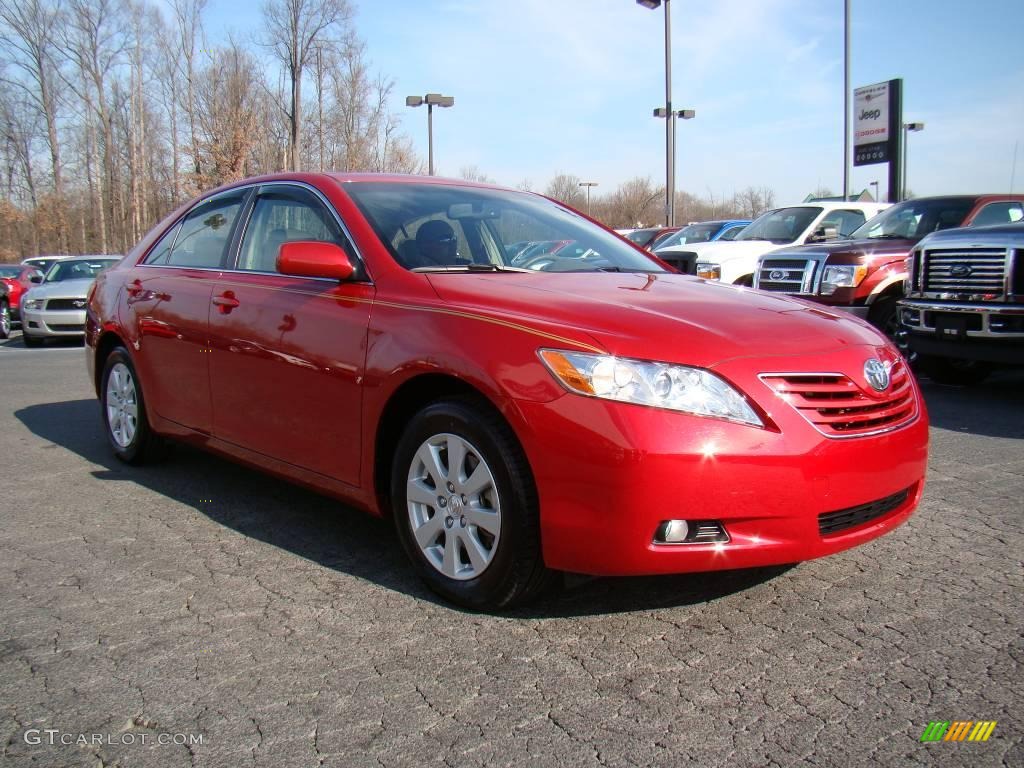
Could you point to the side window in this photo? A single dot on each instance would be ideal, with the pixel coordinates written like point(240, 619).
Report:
point(282, 217)
point(203, 235)
point(999, 213)
point(730, 234)
point(844, 222)
point(161, 252)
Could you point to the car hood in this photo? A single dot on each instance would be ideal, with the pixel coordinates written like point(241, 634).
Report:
point(65, 289)
point(721, 251)
point(666, 317)
point(865, 247)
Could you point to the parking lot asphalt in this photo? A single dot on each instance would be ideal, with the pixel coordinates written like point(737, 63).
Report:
point(198, 601)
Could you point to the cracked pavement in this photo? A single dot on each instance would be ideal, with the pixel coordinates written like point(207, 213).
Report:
point(199, 597)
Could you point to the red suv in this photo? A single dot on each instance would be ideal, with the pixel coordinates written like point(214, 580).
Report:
point(367, 336)
point(15, 279)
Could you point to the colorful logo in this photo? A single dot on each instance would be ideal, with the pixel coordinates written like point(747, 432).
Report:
point(958, 730)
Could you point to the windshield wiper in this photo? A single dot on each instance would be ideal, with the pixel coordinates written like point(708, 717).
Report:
point(474, 267)
point(889, 237)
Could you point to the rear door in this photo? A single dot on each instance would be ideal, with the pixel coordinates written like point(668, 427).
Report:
point(167, 310)
point(287, 353)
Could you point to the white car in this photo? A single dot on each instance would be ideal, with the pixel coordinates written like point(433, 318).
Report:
point(735, 261)
point(55, 307)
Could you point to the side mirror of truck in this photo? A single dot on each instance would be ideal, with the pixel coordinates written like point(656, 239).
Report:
point(821, 234)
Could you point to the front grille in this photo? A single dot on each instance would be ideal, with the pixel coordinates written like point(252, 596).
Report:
point(73, 304)
point(837, 407)
point(58, 327)
point(684, 261)
point(831, 523)
point(786, 275)
point(974, 271)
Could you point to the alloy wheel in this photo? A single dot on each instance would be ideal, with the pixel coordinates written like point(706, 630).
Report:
point(122, 405)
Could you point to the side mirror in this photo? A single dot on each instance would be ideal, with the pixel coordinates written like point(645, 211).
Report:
point(309, 258)
point(821, 234)
point(36, 277)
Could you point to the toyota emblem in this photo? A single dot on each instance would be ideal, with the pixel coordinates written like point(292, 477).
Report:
point(877, 374)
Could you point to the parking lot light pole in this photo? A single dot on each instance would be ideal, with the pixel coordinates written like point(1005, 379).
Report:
point(670, 181)
point(875, 185)
point(682, 114)
point(431, 100)
point(588, 185)
point(915, 127)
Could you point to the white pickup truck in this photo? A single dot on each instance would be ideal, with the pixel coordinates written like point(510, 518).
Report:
point(735, 261)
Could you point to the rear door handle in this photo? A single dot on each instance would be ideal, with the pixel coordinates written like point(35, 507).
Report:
point(226, 302)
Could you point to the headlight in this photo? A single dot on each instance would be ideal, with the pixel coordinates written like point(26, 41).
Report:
point(32, 304)
point(676, 387)
point(841, 276)
point(709, 271)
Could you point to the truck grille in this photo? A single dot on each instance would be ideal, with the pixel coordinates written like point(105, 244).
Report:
point(786, 275)
point(684, 261)
point(974, 271)
point(837, 407)
point(831, 523)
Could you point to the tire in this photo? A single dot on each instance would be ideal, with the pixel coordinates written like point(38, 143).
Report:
point(124, 412)
point(29, 341)
point(5, 320)
point(488, 555)
point(951, 370)
point(884, 315)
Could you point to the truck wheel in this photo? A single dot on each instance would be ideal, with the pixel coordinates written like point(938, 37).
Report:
point(950, 370)
point(466, 508)
point(885, 317)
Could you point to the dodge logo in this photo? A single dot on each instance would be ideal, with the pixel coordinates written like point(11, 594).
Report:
point(778, 274)
point(960, 270)
point(877, 374)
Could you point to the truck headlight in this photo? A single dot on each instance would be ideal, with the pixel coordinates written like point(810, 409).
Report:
point(709, 271)
point(841, 276)
point(643, 382)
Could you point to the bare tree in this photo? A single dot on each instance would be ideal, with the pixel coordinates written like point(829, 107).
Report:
point(295, 30)
point(28, 41)
point(189, 17)
point(227, 101)
point(473, 173)
point(565, 188)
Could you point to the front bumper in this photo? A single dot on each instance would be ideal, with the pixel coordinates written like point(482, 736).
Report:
point(980, 331)
point(608, 474)
point(48, 323)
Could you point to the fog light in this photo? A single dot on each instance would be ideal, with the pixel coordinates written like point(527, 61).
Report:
point(672, 532)
point(691, 532)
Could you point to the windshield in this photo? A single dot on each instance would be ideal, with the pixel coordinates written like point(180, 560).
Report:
point(913, 219)
point(10, 271)
point(781, 226)
point(642, 236)
point(77, 269)
point(435, 227)
point(695, 233)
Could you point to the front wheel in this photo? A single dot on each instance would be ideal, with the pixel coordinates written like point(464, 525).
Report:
point(884, 315)
point(124, 411)
point(466, 508)
point(950, 370)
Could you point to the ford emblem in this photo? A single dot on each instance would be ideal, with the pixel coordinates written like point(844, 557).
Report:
point(960, 270)
point(777, 274)
point(877, 374)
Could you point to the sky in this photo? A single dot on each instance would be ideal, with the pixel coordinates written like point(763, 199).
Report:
point(543, 87)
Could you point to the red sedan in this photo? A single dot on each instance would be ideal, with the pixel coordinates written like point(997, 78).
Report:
point(366, 336)
point(15, 280)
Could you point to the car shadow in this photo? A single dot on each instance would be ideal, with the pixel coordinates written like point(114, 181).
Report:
point(326, 531)
point(994, 408)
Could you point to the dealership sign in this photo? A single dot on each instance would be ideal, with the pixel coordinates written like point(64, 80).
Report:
point(876, 115)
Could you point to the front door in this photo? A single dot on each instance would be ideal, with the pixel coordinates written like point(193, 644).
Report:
point(287, 353)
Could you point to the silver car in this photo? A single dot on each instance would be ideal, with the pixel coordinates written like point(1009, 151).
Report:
point(55, 308)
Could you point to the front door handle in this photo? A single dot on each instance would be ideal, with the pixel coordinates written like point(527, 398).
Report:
point(226, 302)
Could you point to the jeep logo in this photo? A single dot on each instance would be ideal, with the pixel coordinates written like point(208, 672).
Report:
point(960, 270)
point(870, 114)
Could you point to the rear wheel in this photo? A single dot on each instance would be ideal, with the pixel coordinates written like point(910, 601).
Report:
point(950, 370)
point(465, 507)
point(5, 320)
point(124, 411)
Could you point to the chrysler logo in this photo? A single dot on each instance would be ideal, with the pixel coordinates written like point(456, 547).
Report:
point(777, 274)
point(877, 374)
point(960, 270)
